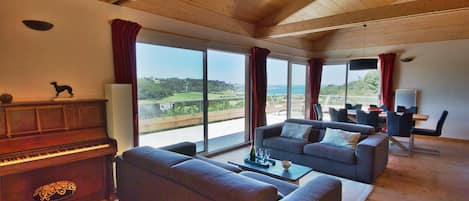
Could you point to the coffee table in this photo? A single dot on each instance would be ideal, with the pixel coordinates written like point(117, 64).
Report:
point(293, 174)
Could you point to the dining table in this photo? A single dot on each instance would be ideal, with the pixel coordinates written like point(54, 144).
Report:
point(352, 115)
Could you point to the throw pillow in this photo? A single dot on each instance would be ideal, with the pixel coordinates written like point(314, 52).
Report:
point(297, 131)
point(341, 138)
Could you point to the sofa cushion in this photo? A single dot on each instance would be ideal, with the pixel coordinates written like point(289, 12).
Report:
point(154, 160)
point(341, 138)
point(285, 144)
point(215, 182)
point(334, 153)
point(296, 131)
point(363, 129)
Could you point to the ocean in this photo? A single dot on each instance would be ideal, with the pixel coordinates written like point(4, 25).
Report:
point(282, 89)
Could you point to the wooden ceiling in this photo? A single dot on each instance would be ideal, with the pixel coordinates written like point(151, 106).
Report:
point(325, 24)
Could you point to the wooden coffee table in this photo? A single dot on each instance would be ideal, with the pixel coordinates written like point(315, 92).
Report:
point(293, 174)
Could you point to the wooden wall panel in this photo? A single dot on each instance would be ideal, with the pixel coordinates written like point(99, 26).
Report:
point(2, 123)
point(21, 120)
point(52, 118)
point(91, 115)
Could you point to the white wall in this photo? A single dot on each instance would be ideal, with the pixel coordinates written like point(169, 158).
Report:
point(440, 71)
point(78, 50)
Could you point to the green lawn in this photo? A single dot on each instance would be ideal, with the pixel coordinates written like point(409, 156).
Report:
point(191, 96)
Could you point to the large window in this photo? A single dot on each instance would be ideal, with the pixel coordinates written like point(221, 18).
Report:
point(170, 95)
point(363, 87)
point(297, 91)
point(172, 92)
point(342, 85)
point(277, 86)
point(226, 99)
point(200, 95)
point(332, 93)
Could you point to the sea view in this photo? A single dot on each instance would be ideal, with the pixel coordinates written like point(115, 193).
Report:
point(282, 89)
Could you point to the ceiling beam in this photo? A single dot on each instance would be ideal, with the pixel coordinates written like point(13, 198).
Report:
point(284, 13)
point(385, 13)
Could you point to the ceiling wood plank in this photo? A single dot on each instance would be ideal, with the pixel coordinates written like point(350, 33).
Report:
point(193, 14)
point(284, 13)
point(441, 27)
point(385, 13)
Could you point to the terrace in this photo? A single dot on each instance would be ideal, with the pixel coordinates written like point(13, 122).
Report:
point(227, 126)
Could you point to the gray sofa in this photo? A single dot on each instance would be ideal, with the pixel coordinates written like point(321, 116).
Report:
point(363, 164)
point(149, 174)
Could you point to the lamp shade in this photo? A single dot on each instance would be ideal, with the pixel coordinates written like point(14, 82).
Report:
point(38, 25)
point(363, 64)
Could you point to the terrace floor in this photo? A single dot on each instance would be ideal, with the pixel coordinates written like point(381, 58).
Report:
point(220, 134)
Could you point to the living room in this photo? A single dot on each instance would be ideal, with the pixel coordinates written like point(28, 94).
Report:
point(429, 39)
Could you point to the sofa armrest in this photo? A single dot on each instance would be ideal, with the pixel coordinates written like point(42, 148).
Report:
point(265, 132)
point(372, 157)
point(323, 188)
point(186, 148)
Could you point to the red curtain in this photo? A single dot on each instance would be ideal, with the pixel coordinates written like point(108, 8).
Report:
point(315, 74)
point(124, 36)
point(258, 79)
point(387, 69)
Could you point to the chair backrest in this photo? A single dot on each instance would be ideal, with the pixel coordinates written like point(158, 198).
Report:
point(400, 108)
point(399, 125)
point(439, 125)
point(318, 111)
point(338, 115)
point(371, 118)
point(385, 108)
point(413, 110)
point(348, 106)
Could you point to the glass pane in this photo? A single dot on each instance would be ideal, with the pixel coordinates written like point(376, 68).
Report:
point(363, 87)
point(226, 99)
point(170, 87)
point(332, 92)
point(298, 80)
point(276, 103)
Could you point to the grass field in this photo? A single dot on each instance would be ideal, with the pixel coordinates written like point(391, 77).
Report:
point(192, 96)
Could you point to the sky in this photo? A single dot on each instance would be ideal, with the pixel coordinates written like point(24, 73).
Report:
point(168, 62)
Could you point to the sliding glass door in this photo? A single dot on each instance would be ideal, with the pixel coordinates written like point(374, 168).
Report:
point(297, 91)
point(341, 85)
point(170, 85)
point(226, 99)
point(277, 89)
point(333, 88)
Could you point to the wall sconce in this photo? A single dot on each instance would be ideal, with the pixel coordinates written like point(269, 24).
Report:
point(38, 25)
point(407, 59)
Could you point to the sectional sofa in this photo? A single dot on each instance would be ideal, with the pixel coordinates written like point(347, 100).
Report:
point(149, 174)
point(364, 163)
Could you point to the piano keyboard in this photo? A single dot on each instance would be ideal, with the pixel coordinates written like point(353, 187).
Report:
point(35, 157)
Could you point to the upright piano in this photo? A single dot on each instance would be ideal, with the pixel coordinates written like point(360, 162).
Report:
point(49, 141)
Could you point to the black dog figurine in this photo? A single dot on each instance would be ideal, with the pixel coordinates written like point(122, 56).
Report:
point(60, 88)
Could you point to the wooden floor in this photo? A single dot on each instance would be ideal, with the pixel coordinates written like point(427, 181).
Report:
point(420, 177)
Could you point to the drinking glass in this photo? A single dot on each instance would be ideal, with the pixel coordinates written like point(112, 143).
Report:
point(260, 154)
point(267, 154)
